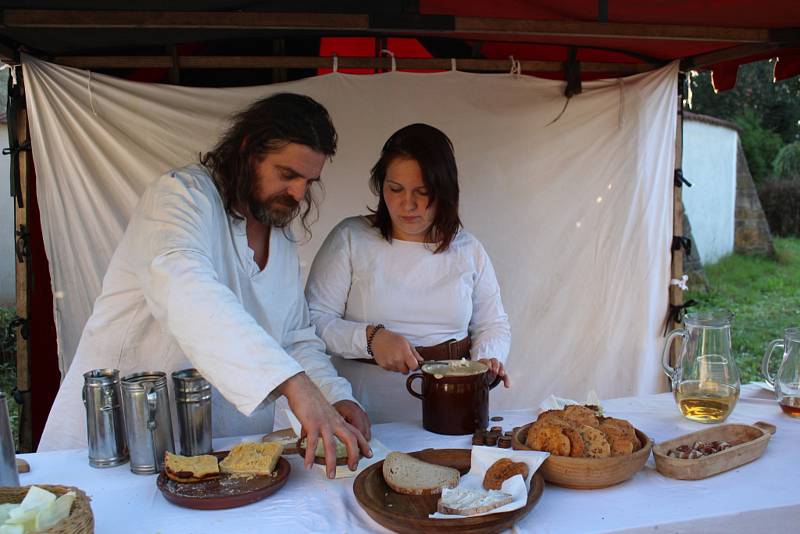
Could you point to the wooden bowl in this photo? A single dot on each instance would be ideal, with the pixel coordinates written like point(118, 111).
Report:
point(747, 444)
point(588, 473)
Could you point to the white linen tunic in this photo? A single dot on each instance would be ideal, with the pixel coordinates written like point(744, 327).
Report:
point(183, 290)
point(358, 278)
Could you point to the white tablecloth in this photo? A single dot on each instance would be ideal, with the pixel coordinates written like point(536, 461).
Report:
point(760, 496)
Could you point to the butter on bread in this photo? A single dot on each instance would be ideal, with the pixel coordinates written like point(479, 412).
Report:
point(187, 469)
point(251, 458)
point(466, 501)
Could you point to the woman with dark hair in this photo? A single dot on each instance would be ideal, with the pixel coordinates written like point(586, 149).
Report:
point(406, 284)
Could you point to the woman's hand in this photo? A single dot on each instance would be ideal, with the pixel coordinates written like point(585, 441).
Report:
point(495, 367)
point(393, 352)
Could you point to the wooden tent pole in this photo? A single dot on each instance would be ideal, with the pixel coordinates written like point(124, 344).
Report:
point(675, 292)
point(23, 270)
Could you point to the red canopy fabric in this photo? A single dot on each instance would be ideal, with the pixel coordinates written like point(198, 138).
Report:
point(757, 14)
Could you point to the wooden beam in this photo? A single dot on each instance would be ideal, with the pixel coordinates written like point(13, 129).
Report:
point(313, 62)
point(40, 18)
point(701, 61)
point(23, 269)
point(615, 30)
point(360, 24)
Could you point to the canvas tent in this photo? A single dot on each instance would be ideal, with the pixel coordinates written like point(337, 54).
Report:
point(572, 321)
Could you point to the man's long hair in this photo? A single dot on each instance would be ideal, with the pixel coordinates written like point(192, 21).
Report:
point(267, 125)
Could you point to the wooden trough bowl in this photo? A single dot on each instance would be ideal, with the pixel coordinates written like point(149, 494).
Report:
point(747, 444)
point(588, 473)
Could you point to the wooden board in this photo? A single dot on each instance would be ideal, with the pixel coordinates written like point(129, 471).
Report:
point(226, 491)
point(748, 443)
point(588, 473)
point(285, 437)
point(409, 513)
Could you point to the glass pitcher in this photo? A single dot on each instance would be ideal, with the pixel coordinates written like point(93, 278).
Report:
point(705, 380)
point(787, 381)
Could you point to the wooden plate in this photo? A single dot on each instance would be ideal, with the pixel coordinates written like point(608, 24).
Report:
point(226, 491)
point(285, 437)
point(409, 513)
point(748, 443)
point(588, 473)
point(321, 459)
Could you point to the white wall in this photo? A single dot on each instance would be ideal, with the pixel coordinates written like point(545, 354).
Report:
point(7, 257)
point(709, 163)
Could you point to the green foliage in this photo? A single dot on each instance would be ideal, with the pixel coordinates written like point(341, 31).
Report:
point(763, 294)
point(776, 104)
point(781, 202)
point(787, 163)
point(760, 145)
point(8, 369)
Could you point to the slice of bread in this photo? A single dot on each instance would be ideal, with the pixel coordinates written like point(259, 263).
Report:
point(190, 468)
point(409, 476)
point(463, 501)
point(252, 459)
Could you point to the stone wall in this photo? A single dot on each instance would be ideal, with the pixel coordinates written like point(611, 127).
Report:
point(751, 231)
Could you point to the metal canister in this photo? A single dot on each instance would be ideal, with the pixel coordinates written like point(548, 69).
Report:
point(105, 424)
point(8, 453)
point(148, 422)
point(193, 404)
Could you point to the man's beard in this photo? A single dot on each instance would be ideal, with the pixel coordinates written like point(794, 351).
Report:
point(278, 210)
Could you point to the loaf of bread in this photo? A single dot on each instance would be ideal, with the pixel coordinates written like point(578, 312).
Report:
point(405, 474)
point(463, 501)
point(190, 468)
point(252, 459)
point(502, 470)
point(579, 431)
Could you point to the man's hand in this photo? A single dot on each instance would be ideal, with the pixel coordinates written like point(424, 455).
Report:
point(495, 367)
point(321, 420)
point(393, 352)
point(354, 415)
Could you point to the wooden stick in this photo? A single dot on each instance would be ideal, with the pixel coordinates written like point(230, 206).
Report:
point(361, 23)
point(23, 269)
point(314, 62)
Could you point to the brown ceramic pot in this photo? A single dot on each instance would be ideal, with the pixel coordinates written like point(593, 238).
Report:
point(455, 396)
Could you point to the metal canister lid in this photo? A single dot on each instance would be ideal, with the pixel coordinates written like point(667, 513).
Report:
point(135, 380)
point(101, 377)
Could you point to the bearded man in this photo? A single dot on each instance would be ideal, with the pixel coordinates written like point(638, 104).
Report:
point(207, 276)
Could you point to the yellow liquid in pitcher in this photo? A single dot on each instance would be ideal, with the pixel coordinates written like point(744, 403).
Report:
point(707, 405)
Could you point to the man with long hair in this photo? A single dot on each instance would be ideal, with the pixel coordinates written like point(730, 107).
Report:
point(207, 276)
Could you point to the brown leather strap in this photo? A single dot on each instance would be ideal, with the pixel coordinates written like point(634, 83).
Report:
point(447, 350)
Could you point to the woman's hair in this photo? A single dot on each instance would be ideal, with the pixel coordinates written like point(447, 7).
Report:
point(269, 124)
point(433, 152)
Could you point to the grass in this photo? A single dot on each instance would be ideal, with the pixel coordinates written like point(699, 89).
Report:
point(763, 294)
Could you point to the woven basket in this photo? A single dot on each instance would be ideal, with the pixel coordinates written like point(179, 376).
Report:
point(80, 519)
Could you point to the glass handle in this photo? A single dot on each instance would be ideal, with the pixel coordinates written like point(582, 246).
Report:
point(767, 356)
point(669, 371)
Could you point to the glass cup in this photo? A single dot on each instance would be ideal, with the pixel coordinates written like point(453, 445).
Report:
point(787, 380)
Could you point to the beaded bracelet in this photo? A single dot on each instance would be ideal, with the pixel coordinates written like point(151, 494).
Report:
point(371, 336)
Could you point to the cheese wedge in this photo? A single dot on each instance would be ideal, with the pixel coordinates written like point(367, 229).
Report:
point(252, 459)
point(190, 468)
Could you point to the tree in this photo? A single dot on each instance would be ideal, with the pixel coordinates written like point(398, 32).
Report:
point(777, 105)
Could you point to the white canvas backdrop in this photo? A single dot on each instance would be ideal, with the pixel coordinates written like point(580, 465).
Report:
point(576, 214)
